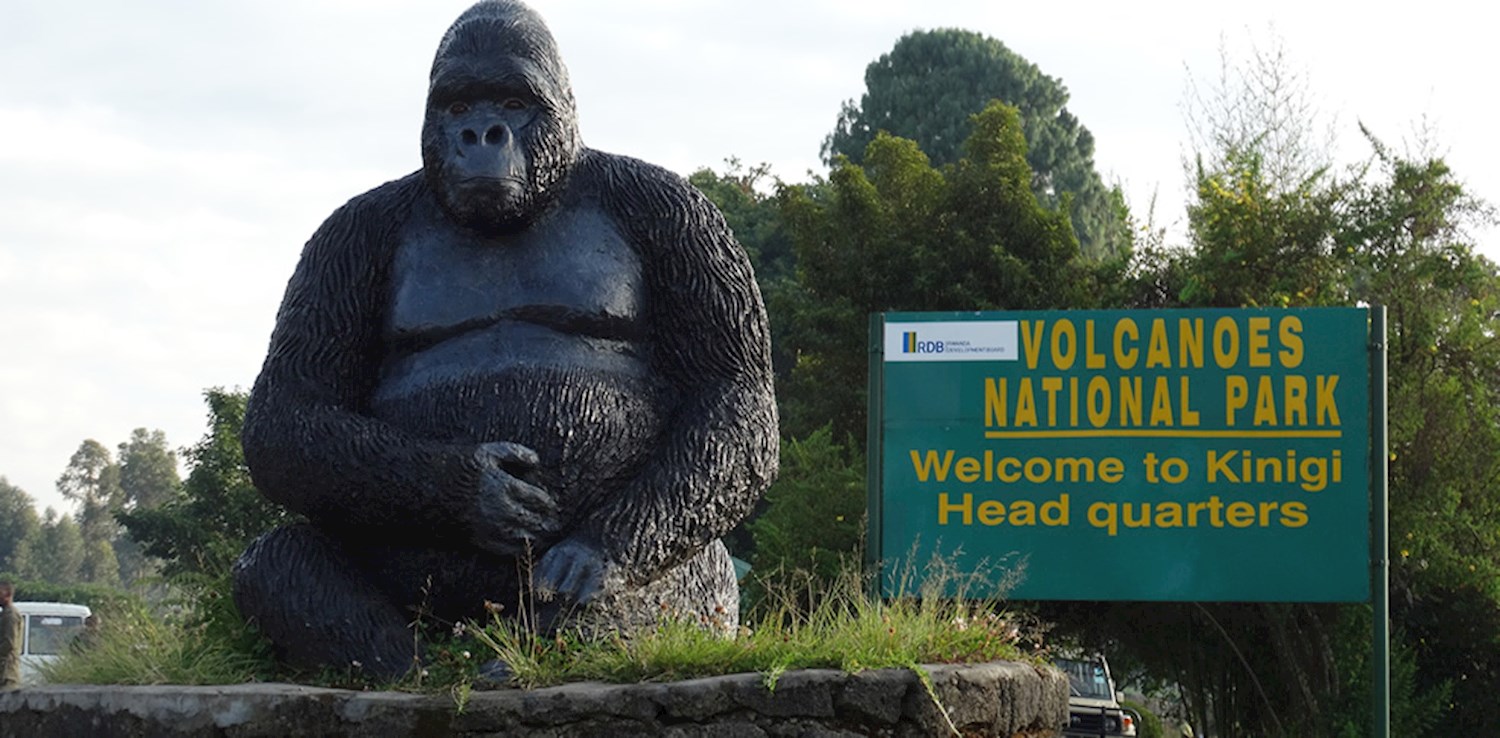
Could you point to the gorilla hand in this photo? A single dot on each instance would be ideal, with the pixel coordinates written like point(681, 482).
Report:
point(576, 569)
point(511, 513)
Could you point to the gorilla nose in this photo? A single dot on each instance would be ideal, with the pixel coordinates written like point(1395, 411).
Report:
point(496, 135)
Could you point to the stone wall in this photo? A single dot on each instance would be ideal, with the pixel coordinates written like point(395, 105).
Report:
point(1003, 699)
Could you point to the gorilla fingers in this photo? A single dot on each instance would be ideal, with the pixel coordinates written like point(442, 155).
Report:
point(512, 513)
point(577, 569)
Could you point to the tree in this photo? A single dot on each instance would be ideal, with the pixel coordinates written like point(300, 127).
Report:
point(928, 85)
point(18, 522)
point(92, 479)
point(54, 554)
point(1410, 253)
point(897, 234)
point(1273, 224)
point(148, 470)
point(91, 476)
point(752, 215)
point(815, 516)
point(203, 531)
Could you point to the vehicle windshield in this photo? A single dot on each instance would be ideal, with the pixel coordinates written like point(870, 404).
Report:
point(50, 634)
point(1086, 678)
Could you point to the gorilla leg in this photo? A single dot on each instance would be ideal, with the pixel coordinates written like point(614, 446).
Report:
point(301, 588)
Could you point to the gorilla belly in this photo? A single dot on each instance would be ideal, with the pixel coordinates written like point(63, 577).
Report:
point(589, 407)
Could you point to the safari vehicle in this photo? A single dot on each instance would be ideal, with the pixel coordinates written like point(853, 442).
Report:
point(46, 630)
point(1094, 709)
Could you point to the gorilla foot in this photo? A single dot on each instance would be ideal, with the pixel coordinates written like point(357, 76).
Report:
point(304, 593)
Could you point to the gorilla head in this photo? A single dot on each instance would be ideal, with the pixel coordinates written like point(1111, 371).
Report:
point(500, 134)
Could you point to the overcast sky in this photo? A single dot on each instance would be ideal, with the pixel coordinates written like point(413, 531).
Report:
point(163, 161)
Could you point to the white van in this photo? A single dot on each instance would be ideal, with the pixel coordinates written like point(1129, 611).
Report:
point(47, 629)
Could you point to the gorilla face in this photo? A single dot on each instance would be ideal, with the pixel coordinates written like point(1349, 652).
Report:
point(500, 132)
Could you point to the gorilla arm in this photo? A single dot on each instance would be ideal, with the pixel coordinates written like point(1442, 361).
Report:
point(307, 440)
point(712, 343)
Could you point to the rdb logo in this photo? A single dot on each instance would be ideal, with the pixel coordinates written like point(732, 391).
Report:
point(913, 346)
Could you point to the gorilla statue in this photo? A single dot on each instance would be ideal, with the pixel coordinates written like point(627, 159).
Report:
point(530, 364)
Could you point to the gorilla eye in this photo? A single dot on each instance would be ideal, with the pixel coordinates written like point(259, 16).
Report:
point(514, 104)
point(458, 108)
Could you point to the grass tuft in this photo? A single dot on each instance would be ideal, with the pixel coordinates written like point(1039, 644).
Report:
point(803, 622)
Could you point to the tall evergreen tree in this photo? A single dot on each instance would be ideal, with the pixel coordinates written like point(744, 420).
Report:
point(55, 554)
point(148, 470)
point(927, 87)
point(18, 522)
point(897, 234)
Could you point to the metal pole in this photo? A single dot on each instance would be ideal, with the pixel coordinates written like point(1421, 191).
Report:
point(874, 552)
point(1380, 565)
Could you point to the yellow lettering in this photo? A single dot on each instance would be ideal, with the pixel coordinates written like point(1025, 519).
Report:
point(1189, 417)
point(966, 507)
point(991, 512)
point(1265, 402)
point(930, 466)
point(1294, 514)
point(1031, 340)
point(1161, 403)
point(1062, 358)
point(1190, 343)
point(1328, 412)
point(1157, 353)
point(967, 469)
point(1023, 512)
point(1226, 342)
point(1098, 401)
point(1236, 396)
point(1123, 358)
point(1259, 342)
point(1130, 402)
point(1091, 357)
point(1291, 341)
point(1025, 404)
point(1055, 512)
point(1051, 385)
point(1294, 396)
point(994, 402)
point(1105, 520)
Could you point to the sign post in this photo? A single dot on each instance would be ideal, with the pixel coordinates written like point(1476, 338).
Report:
point(1154, 455)
point(1380, 564)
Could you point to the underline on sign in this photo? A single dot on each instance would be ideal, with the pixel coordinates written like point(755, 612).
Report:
point(1163, 433)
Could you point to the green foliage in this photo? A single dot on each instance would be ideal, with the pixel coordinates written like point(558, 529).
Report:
point(1415, 710)
point(55, 554)
point(1259, 247)
point(752, 215)
point(97, 597)
point(134, 647)
point(100, 565)
point(930, 84)
point(18, 522)
point(204, 530)
point(91, 476)
point(1150, 725)
point(148, 470)
point(846, 629)
point(814, 522)
point(898, 234)
point(1444, 392)
point(1390, 233)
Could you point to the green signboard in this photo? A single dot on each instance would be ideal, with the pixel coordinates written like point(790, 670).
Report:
point(1184, 455)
